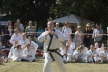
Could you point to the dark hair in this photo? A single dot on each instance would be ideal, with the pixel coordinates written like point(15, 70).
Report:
point(29, 36)
point(72, 36)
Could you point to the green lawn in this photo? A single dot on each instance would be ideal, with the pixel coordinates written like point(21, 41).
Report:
point(37, 67)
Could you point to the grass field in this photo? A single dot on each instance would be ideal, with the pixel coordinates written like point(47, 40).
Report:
point(37, 67)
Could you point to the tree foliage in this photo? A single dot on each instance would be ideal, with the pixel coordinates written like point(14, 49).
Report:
point(27, 9)
point(95, 10)
point(41, 10)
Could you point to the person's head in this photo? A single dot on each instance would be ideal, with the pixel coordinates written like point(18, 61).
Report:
point(78, 27)
point(96, 45)
point(81, 47)
point(57, 24)
point(91, 47)
point(18, 21)
point(30, 23)
point(71, 37)
point(97, 26)
point(16, 30)
point(29, 37)
point(66, 24)
point(24, 35)
point(88, 27)
point(18, 46)
point(50, 25)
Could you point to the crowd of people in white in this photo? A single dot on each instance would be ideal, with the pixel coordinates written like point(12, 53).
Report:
point(85, 46)
point(80, 46)
point(23, 48)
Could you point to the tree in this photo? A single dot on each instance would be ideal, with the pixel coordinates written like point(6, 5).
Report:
point(37, 10)
point(41, 10)
point(95, 10)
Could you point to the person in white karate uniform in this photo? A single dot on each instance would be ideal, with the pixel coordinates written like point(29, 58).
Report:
point(63, 53)
point(15, 40)
point(90, 54)
point(76, 54)
point(97, 57)
point(103, 53)
point(53, 40)
point(16, 53)
point(30, 48)
point(80, 54)
point(83, 51)
point(70, 49)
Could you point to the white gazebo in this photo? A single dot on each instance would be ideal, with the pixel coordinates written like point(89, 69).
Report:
point(70, 19)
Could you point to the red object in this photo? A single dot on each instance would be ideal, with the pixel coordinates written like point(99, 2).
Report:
point(4, 52)
point(39, 53)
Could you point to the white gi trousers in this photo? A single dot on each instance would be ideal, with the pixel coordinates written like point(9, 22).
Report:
point(48, 60)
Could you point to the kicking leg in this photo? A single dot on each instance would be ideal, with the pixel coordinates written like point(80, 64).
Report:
point(47, 63)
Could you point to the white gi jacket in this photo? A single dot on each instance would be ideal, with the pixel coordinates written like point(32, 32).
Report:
point(16, 37)
point(96, 35)
point(71, 49)
point(15, 54)
point(31, 52)
point(57, 40)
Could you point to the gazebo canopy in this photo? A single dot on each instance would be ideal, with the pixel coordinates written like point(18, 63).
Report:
point(69, 19)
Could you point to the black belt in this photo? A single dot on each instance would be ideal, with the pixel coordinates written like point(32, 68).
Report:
point(55, 51)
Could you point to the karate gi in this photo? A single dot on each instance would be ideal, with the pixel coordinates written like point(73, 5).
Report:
point(15, 54)
point(56, 43)
point(29, 53)
point(70, 51)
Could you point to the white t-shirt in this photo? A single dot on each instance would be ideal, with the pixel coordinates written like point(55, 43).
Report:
point(66, 32)
point(16, 37)
point(96, 34)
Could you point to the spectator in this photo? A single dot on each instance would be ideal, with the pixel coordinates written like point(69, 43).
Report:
point(57, 27)
point(16, 37)
point(30, 50)
point(66, 30)
point(97, 34)
point(70, 49)
point(19, 25)
point(29, 29)
point(78, 36)
point(88, 36)
point(16, 53)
